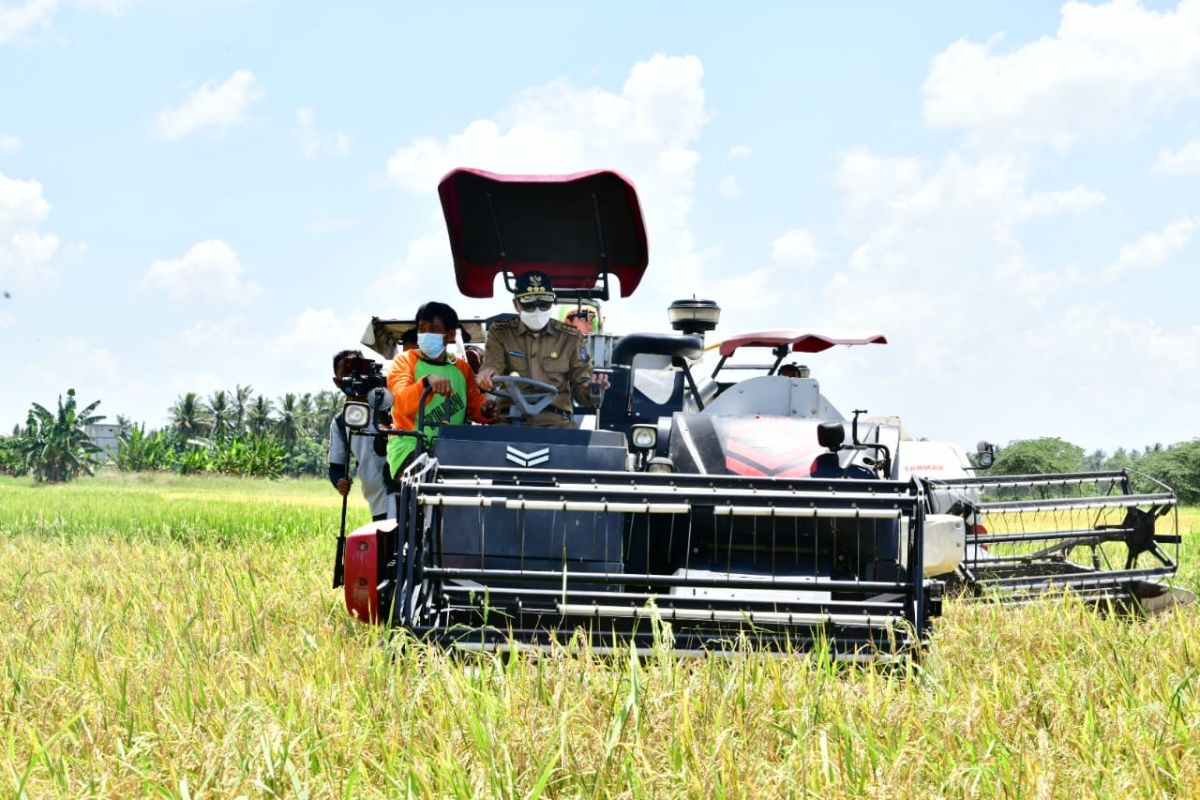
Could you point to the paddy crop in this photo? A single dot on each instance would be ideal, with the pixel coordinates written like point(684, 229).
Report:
point(175, 637)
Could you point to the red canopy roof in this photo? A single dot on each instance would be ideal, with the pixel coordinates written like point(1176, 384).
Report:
point(572, 227)
point(797, 341)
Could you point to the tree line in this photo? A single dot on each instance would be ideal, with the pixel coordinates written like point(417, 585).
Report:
point(233, 432)
point(1176, 465)
point(239, 432)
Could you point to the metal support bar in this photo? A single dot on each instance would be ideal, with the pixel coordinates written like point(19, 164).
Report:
point(663, 600)
point(1059, 479)
point(1042, 536)
point(717, 615)
point(689, 581)
point(646, 493)
point(805, 513)
point(1114, 578)
point(1076, 504)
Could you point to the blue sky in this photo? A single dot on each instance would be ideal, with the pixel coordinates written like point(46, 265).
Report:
point(195, 195)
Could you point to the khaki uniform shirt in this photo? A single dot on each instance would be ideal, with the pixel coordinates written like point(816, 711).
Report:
point(557, 354)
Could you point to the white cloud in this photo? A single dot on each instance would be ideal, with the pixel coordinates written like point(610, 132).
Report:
point(1152, 250)
point(9, 144)
point(1184, 161)
point(90, 364)
point(210, 270)
point(212, 355)
point(221, 353)
point(937, 263)
point(110, 7)
point(871, 183)
point(1075, 360)
point(214, 107)
point(314, 142)
point(647, 130)
point(21, 20)
point(739, 151)
point(728, 186)
point(1071, 201)
point(424, 264)
point(25, 252)
point(1105, 68)
point(32, 21)
point(796, 248)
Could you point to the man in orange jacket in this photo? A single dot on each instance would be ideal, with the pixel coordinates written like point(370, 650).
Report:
point(455, 395)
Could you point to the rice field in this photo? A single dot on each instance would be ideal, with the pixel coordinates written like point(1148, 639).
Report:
point(178, 637)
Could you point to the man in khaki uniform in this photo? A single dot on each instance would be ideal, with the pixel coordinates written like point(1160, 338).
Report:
point(535, 346)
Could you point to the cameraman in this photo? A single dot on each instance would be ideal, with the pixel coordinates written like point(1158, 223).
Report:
point(370, 463)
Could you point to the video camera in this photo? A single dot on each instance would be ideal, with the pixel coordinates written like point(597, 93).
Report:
point(361, 376)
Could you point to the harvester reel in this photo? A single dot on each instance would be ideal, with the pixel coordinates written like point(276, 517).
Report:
point(529, 397)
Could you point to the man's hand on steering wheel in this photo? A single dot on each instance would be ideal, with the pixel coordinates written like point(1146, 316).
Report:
point(484, 378)
point(529, 396)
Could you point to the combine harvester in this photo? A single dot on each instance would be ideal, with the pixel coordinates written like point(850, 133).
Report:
point(706, 509)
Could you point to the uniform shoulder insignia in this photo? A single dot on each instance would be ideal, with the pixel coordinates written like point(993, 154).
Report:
point(565, 328)
point(504, 323)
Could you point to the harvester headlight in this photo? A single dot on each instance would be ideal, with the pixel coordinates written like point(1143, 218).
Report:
point(356, 415)
point(985, 455)
point(644, 436)
point(660, 465)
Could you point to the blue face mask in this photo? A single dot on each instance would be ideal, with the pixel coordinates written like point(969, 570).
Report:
point(432, 345)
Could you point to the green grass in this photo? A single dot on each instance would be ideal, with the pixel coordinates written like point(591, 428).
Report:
point(175, 637)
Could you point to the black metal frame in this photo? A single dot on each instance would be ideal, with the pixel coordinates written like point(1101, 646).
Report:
point(1021, 575)
point(854, 618)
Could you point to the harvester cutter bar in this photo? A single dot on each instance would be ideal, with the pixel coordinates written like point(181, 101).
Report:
point(682, 643)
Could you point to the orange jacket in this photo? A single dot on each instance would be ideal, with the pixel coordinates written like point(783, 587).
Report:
point(406, 390)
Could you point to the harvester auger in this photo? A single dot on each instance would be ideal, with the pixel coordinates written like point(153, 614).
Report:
point(698, 510)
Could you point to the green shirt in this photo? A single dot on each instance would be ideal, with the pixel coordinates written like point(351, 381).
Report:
point(440, 410)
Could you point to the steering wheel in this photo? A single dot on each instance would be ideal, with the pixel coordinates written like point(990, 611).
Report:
point(529, 397)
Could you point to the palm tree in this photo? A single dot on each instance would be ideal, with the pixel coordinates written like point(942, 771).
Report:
point(219, 412)
point(258, 417)
point(55, 447)
point(328, 403)
point(306, 412)
point(287, 426)
point(241, 403)
point(188, 417)
point(124, 426)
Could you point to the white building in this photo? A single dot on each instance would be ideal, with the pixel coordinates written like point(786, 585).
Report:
point(104, 436)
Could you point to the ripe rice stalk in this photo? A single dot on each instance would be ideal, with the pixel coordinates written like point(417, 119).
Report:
point(176, 636)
